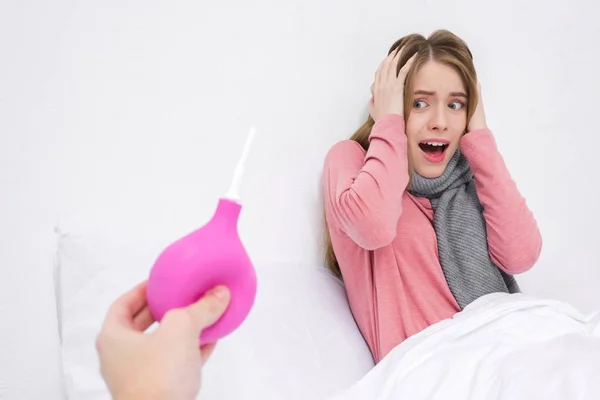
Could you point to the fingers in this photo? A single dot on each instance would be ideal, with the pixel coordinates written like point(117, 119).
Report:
point(378, 73)
point(382, 69)
point(190, 321)
point(123, 310)
point(209, 308)
point(388, 65)
point(143, 320)
point(406, 67)
point(393, 66)
point(389, 83)
point(206, 351)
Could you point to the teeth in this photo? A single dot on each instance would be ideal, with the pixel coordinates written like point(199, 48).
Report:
point(435, 143)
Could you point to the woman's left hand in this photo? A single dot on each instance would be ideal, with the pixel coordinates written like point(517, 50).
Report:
point(478, 119)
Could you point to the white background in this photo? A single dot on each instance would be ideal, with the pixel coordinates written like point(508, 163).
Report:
point(129, 116)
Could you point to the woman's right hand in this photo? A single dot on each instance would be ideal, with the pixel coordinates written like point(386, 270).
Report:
point(388, 89)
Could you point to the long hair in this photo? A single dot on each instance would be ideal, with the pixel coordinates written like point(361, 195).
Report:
point(442, 46)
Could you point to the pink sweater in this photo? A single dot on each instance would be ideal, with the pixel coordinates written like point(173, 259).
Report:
point(384, 239)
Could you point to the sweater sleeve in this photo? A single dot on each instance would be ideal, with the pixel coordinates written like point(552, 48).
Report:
point(363, 189)
point(514, 240)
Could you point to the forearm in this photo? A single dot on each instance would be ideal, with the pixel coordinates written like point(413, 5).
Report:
point(363, 190)
point(514, 239)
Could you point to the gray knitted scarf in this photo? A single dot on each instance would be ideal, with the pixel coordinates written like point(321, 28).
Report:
point(461, 233)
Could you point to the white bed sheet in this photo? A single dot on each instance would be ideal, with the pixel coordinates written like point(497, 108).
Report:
point(503, 347)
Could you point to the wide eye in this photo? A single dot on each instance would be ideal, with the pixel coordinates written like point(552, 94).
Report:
point(419, 104)
point(456, 105)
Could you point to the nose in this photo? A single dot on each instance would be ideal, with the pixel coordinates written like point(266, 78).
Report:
point(438, 121)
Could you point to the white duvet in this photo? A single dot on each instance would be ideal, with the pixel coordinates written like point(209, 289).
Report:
point(500, 347)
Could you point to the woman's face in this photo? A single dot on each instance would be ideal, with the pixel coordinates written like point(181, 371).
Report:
point(438, 118)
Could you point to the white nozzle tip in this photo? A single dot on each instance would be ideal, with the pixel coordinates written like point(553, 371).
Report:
point(239, 170)
point(251, 134)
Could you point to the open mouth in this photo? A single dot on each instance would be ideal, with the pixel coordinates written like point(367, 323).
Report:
point(434, 150)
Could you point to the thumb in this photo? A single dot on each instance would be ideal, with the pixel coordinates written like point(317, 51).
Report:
point(209, 308)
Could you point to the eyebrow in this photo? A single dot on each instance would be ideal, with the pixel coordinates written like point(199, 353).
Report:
point(428, 93)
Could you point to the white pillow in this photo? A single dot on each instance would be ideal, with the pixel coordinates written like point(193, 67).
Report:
point(300, 340)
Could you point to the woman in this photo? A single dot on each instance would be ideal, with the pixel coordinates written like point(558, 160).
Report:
point(422, 214)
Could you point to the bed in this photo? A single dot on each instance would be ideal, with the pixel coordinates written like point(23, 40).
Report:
point(501, 346)
point(301, 342)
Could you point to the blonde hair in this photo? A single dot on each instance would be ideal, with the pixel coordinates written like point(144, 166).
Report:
point(442, 46)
